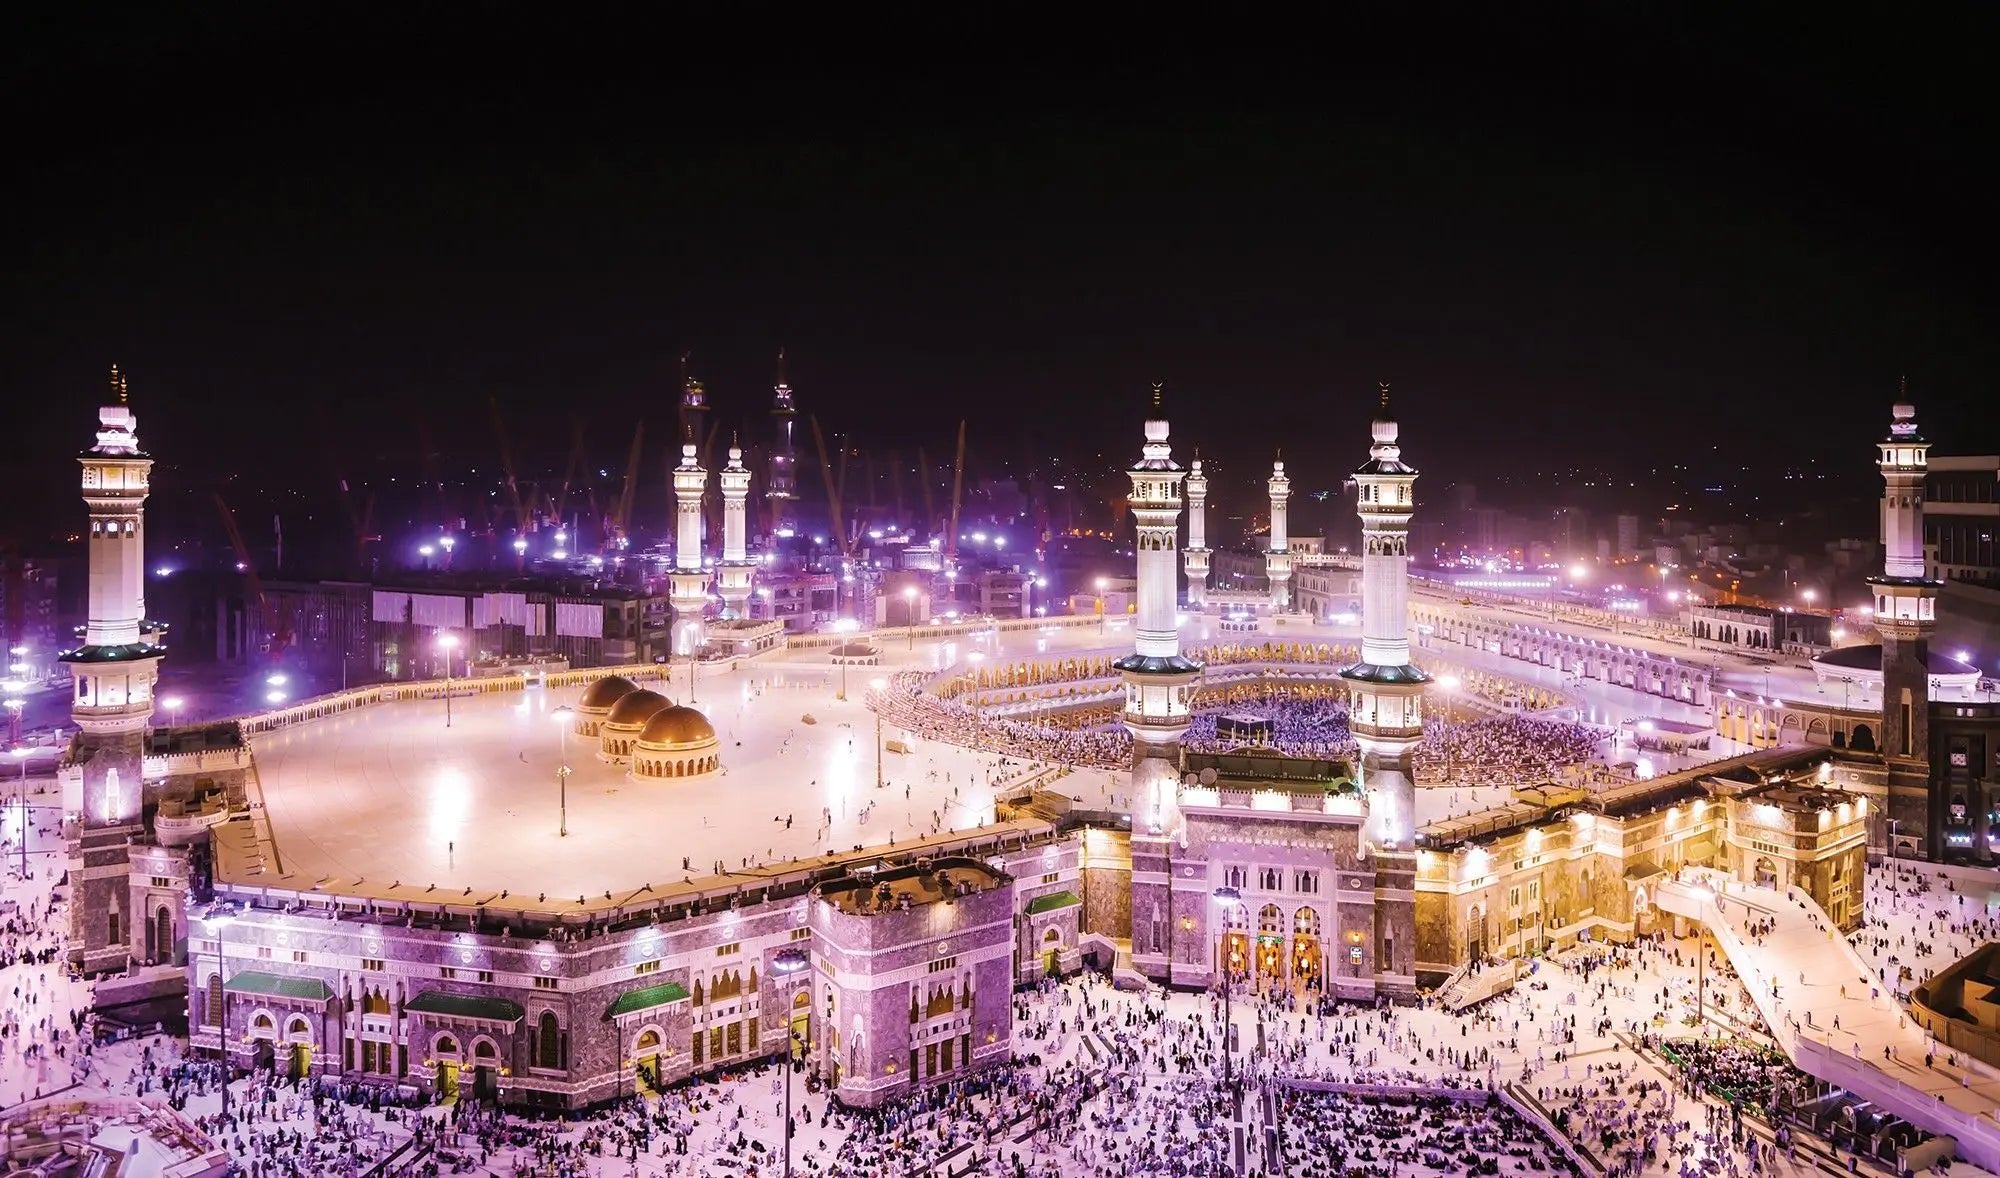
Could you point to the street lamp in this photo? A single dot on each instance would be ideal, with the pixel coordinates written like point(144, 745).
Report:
point(790, 962)
point(562, 715)
point(446, 644)
point(173, 705)
point(910, 613)
point(1103, 583)
point(843, 626)
point(878, 683)
point(1228, 898)
point(217, 923)
point(1701, 968)
point(21, 755)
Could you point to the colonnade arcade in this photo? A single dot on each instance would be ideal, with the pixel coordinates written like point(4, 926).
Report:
point(1585, 658)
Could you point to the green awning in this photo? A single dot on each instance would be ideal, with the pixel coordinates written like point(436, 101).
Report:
point(495, 1010)
point(1051, 902)
point(303, 989)
point(647, 998)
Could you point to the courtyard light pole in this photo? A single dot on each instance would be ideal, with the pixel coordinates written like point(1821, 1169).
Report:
point(562, 715)
point(217, 923)
point(878, 684)
point(790, 962)
point(21, 755)
point(910, 614)
point(447, 643)
point(1228, 898)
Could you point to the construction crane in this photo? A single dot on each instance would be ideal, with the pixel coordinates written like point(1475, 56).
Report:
point(924, 479)
point(507, 465)
point(569, 473)
point(276, 633)
point(832, 491)
point(957, 491)
point(621, 519)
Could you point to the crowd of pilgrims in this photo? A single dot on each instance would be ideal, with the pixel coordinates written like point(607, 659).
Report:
point(1306, 720)
point(1338, 1133)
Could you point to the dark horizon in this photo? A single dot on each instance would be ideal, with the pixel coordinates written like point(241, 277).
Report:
point(313, 245)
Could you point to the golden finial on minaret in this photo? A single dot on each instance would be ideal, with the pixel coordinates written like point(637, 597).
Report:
point(1157, 396)
point(1384, 386)
point(118, 389)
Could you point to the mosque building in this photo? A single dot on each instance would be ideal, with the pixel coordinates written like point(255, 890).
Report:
point(891, 966)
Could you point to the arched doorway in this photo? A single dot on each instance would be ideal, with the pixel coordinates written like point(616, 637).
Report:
point(800, 1025)
point(1475, 934)
point(1270, 944)
point(160, 937)
point(1863, 740)
point(1766, 872)
point(445, 1051)
point(485, 1070)
point(646, 1056)
point(1306, 952)
point(1051, 953)
point(298, 1034)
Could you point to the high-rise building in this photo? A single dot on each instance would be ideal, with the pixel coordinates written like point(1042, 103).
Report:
point(115, 671)
point(781, 490)
point(1385, 694)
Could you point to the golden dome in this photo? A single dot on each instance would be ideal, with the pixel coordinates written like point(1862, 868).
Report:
point(677, 727)
point(606, 691)
point(637, 707)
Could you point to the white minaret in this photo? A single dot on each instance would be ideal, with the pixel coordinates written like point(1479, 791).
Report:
point(1278, 559)
point(689, 597)
point(733, 574)
point(1385, 701)
point(1906, 617)
point(1197, 541)
point(1159, 681)
point(118, 663)
point(115, 669)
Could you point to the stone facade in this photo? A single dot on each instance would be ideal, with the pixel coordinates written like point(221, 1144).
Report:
point(914, 970)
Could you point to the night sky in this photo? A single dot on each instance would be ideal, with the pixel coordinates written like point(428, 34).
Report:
point(1613, 244)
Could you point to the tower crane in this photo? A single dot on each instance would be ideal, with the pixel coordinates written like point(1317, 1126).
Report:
point(276, 633)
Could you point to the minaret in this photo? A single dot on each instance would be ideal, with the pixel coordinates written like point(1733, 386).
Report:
point(694, 425)
point(1905, 616)
point(115, 670)
point(1385, 708)
point(1197, 541)
point(781, 485)
point(1278, 559)
point(733, 574)
point(689, 597)
point(1159, 687)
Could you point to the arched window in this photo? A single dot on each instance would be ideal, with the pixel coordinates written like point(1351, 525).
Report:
point(551, 1041)
point(446, 1045)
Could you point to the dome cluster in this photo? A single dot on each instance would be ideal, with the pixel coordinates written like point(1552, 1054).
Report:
point(646, 730)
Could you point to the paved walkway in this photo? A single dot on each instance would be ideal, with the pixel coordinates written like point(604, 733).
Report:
point(1833, 1017)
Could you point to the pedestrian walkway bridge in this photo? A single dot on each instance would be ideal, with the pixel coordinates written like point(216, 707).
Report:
point(1831, 1015)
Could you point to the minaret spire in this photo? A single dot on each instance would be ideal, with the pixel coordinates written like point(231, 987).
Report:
point(1385, 701)
point(1906, 613)
point(1278, 553)
point(116, 669)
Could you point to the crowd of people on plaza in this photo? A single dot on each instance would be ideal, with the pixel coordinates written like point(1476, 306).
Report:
point(1305, 721)
point(1434, 1137)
